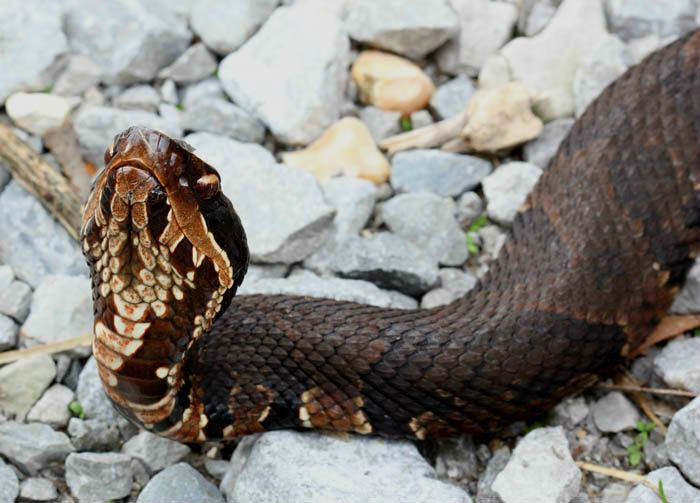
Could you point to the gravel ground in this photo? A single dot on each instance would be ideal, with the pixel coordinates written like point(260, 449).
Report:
point(248, 83)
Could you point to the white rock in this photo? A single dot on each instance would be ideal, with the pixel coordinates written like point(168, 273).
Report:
point(675, 488)
point(507, 188)
point(8, 332)
point(193, 65)
point(614, 412)
point(37, 112)
point(540, 470)
point(642, 17)
point(451, 97)
point(484, 27)
point(130, 42)
point(678, 365)
point(640, 48)
point(155, 452)
point(307, 284)
point(32, 241)
point(597, 70)
point(427, 220)
point(548, 61)
point(32, 40)
point(495, 72)
point(80, 74)
point(96, 127)
point(224, 25)
point(683, 441)
point(411, 28)
point(542, 149)
point(292, 219)
point(38, 489)
point(23, 382)
point(536, 17)
point(290, 77)
point(52, 407)
point(362, 469)
point(61, 309)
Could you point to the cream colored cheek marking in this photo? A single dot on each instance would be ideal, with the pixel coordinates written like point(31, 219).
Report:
point(159, 308)
point(162, 294)
point(173, 244)
point(130, 329)
point(130, 295)
point(162, 372)
point(105, 289)
point(190, 275)
point(107, 357)
point(147, 277)
point(115, 342)
point(147, 257)
point(133, 312)
point(177, 293)
point(263, 415)
point(117, 283)
point(120, 210)
point(117, 242)
point(145, 292)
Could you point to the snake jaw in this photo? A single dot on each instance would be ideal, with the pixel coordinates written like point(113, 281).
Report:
point(150, 240)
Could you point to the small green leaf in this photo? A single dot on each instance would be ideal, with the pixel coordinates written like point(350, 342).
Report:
point(696, 331)
point(76, 409)
point(478, 223)
point(635, 458)
point(661, 492)
point(471, 245)
point(406, 124)
point(180, 106)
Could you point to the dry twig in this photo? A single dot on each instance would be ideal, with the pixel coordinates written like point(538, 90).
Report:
point(36, 176)
point(54, 347)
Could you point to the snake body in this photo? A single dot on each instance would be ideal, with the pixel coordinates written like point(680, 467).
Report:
point(593, 262)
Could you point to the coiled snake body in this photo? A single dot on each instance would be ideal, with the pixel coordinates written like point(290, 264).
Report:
point(593, 262)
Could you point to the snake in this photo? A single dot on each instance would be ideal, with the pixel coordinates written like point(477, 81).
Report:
point(592, 262)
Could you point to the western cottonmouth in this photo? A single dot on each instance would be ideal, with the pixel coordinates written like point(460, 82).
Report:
point(593, 262)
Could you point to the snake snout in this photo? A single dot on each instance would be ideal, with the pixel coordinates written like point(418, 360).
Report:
point(133, 184)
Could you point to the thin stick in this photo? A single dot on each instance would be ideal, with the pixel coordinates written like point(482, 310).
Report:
point(653, 391)
point(53, 347)
point(626, 378)
point(618, 474)
point(36, 176)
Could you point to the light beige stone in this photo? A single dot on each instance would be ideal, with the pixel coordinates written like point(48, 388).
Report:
point(391, 83)
point(37, 112)
point(346, 147)
point(500, 118)
point(548, 61)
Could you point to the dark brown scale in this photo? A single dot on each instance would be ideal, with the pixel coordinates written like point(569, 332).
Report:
point(591, 265)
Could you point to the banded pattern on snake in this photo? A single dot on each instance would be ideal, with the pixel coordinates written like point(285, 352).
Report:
point(593, 262)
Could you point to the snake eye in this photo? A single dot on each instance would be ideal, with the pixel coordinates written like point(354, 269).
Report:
point(109, 153)
point(207, 186)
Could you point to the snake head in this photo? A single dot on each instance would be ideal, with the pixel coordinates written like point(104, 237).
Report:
point(166, 201)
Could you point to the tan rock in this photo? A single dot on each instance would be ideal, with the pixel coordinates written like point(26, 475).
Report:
point(500, 118)
point(346, 147)
point(391, 83)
